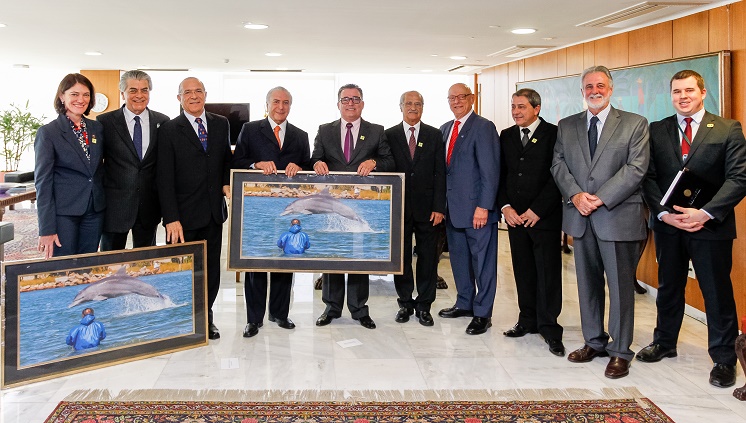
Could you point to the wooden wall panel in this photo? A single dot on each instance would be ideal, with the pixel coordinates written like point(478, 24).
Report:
point(107, 83)
point(612, 52)
point(718, 29)
point(504, 89)
point(562, 62)
point(691, 34)
point(487, 94)
point(542, 66)
point(575, 56)
point(589, 54)
point(651, 44)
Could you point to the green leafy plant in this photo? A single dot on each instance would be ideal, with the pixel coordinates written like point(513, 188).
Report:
point(17, 131)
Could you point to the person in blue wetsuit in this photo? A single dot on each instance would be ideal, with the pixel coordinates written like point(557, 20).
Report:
point(294, 241)
point(88, 333)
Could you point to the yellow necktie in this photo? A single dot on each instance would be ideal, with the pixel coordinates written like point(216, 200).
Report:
point(277, 135)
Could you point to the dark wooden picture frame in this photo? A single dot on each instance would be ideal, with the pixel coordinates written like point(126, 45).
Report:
point(150, 301)
point(354, 223)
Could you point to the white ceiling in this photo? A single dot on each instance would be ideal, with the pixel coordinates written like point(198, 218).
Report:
point(326, 36)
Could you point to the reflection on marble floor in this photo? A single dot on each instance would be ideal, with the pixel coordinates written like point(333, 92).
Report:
point(402, 356)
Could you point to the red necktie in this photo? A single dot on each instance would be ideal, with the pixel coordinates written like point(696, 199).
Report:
point(687, 138)
point(412, 141)
point(277, 135)
point(452, 142)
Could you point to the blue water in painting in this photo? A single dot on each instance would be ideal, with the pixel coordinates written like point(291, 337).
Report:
point(332, 236)
point(45, 319)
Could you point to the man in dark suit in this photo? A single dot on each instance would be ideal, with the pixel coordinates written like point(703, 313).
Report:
point(600, 160)
point(130, 155)
point(472, 179)
point(194, 158)
point(532, 206)
point(712, 148)
point(350, 144)
point(271, 144)
point(419, 153)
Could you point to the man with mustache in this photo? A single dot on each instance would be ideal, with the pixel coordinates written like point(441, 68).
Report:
point(600, 160)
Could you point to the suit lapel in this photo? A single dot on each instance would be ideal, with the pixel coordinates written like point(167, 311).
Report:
point(269, 135)
point(674, 138)
point(188, 131)
point(69, 136)
point(581, 126)
point(463, 132)
point(538, 136)
point(705, 127)
point(403, 142)
point(612, 121)
point(362, 138)
point(120, 124)
point(153, 134)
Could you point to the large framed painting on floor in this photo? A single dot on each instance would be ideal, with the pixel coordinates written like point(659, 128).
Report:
point(76, 313)
point(337, 223)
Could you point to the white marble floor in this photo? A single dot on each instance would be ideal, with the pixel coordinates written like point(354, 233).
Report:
point(402, 356)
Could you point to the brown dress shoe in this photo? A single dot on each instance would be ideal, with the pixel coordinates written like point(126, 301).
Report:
point(617, 367)
point(585, 354)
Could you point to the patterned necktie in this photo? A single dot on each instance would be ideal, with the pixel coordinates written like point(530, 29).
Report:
point(348, 143)
point(452, 142)
point(524, 140)
point(412, 141)
point(593, 135)
point(201, 133)
point(137, 137)
point(277, 135)
point(686, 138)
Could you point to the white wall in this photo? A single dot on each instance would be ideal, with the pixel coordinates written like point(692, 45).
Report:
point(314, 95)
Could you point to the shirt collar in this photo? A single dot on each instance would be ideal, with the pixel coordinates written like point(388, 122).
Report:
point(697, 117)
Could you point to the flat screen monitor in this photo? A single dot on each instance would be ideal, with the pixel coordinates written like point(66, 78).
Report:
point(236, 113)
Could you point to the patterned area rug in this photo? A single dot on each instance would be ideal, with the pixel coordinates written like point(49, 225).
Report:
point(639, 410)
point(26, 235)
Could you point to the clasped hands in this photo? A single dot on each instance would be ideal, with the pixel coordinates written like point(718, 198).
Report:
point(586, 203)
point(527, 219)
point(689, 219)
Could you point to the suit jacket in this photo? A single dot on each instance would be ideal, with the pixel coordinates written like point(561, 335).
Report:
point(473, 176)
point(257, 143)
point(718, 154)
point(425, 178)
point(65, 179)
point(129, 182)
point(190, 179)
point(614, 175)
point(371, 144)
point(525, 178)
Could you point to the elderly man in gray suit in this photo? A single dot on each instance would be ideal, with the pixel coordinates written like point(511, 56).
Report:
point(600, 160)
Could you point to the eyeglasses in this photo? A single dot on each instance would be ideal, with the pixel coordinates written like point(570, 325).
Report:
point(198, 91)
point(452, 98)
point(354, 100)
point(410, 104)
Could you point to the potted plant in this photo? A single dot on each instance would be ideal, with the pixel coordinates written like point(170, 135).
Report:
point(17, 131)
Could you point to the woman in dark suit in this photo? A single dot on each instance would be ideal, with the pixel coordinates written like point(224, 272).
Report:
point(69, 173)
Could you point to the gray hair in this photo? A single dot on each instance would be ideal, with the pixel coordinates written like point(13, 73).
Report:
point(534, 99)
point(191, 77)
point(593, 69)
point(134, 74)
point(350, 87)
point(278, 88)
point(401, 99)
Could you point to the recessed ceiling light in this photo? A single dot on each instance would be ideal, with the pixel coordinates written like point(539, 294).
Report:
point(20, 66)
point(548, 38)
point(249, 25)
point(433, 55)
point(523, 31)
point(271, 54)
point(2, 25)
point(93, 53)
point(458, 57)
point(494, 26)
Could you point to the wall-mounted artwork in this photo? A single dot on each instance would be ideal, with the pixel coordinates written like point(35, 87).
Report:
point(75, 313)
point(338, 223)
point(643, 89)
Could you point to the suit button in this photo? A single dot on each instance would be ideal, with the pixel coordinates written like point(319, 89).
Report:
point(520, 174)
point(411, 174)
point(90, 180)
point(521, 158)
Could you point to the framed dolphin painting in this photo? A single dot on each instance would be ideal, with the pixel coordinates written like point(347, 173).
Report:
point(337, 223)
point(75, 313)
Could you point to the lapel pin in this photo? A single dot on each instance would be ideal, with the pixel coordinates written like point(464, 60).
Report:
point(362, 137)
point(534, 140)
point(419, 144)
point(93, 140)
point(710, 125)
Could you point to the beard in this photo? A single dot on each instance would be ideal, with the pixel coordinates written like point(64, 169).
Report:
point(597, 101)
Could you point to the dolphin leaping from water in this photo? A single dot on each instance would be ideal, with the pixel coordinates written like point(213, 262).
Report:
point(321, 203)
point(113, 286)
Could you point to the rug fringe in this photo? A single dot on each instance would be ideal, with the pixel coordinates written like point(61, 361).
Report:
point(353, 396)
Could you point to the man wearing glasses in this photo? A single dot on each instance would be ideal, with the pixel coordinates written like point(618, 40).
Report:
point(472, 178)
point(349, 145)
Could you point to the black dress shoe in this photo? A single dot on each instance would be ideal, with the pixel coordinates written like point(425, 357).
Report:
point(425, 318)
point(402, 316)
point(284, 323)
point(453, 312)
point(518, 331)
point(250, 330)
point(654, 353)
point(441, 283)
point(324, 320)
point(556, 347)
point(213, 332)
point(723, 375)
point(366, 322)
point(478, 325)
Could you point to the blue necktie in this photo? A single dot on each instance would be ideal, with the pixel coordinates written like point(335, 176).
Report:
point(201, 133)
point(593, 135)
point(348, 143)
point(137, 137)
